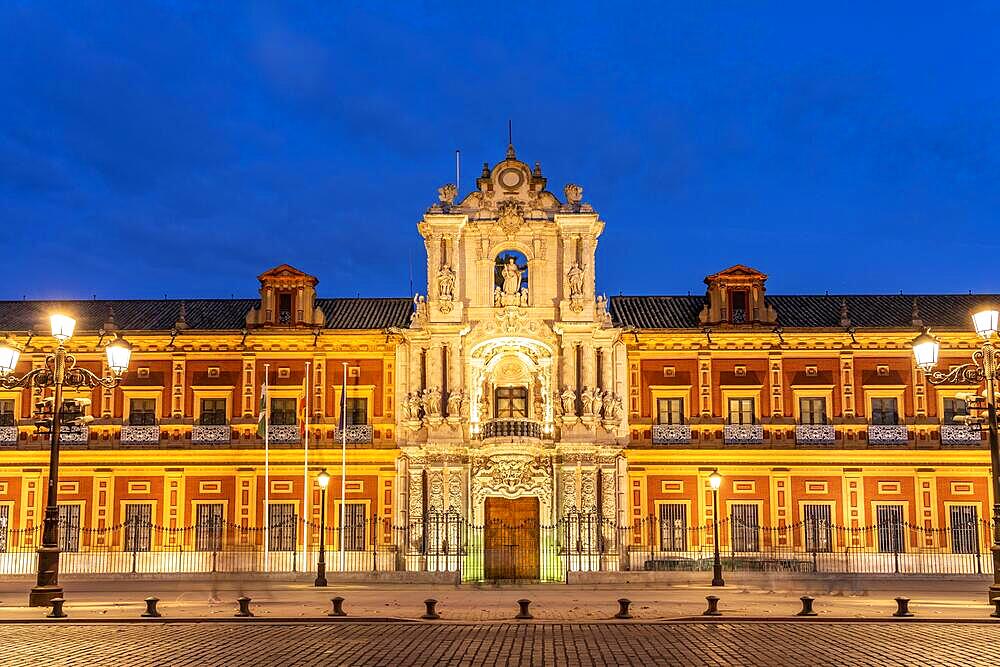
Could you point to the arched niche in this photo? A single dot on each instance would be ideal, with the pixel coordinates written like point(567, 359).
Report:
point(511, 278)
point(528, 363)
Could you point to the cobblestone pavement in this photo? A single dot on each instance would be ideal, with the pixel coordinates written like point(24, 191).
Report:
point(257, 643)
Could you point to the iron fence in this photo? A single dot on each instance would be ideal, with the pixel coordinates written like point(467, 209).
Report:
point(447, 542)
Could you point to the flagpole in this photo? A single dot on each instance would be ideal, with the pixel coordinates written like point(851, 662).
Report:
point(306, 489)
point(267, 471)
point(343, 463)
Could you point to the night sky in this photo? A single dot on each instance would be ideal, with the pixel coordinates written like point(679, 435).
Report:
point(183, 148)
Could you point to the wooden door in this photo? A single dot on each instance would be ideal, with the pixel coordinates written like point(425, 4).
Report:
point(510, 541)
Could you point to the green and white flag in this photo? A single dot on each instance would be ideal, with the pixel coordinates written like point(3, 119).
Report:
point(262, 417)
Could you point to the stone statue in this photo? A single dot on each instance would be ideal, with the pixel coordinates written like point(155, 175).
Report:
point(419, 315)
point(609, 406)
point(575, 278)
point(511, 277)
point(464, 404)
point(557, 406)
point(524, 298)
point(497, 297)
point(406, 408)
point(587, 396)
point(619, 411)
point(432, 402)
point(447, 194)
point(454, 403)
point(597, 402)
point(568, 402)
point(574, 194)
point(602, 314)
point(446, 283)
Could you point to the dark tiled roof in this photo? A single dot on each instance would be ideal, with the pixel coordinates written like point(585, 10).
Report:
point(161, 314)
point(947, 311)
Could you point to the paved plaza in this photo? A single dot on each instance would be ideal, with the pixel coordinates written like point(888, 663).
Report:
point(255, 643)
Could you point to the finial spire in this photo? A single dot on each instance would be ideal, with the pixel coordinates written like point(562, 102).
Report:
point(109, 319)
point(845, 316)
point(181, 322)
point(915, 314)
point(511, 155)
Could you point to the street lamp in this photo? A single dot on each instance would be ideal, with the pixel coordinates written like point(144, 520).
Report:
point(715, 480)
point(323, 479)
point(60, 370)
point(984, 368)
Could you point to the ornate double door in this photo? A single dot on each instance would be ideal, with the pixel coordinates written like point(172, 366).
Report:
point(511, 538)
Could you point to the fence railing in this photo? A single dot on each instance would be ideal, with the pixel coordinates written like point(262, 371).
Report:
point(446, 542)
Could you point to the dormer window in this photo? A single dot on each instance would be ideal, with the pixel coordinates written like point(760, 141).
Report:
point(736, 297)
point(287, 299)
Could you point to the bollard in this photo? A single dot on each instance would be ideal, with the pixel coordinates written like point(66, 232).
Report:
point(244, 611)
point(996, 603)
point(151, 608)
point(523, 612)
point(338, 607)
point(623, 605)
point(713, 606)
point(431, 613)
point(807, 606)
point(57, 608)
point(902, 608)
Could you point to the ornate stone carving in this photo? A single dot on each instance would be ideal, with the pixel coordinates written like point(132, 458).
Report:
point(588, 495)
point(575, 280)
point(567, 491)
point(568, 403)
point(419, 317)
point(513, 475)
point(587, 398)
point(456, 501)
point(455, 400)
point(435, 491)
point(446, 288)
point(447, 194)
point(573, 194)
point(510, 216)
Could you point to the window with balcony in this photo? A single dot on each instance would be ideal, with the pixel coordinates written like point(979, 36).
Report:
point(739, 306)
point(213, 412)
point(284, 308)
point(884, 411)
point(741, 411)
point(812, 410)
point(954, 407)
point(357, 410)
point(142, 412)
point(283, 412)
point(511, 403)
point(7, 412)
point(670, 411)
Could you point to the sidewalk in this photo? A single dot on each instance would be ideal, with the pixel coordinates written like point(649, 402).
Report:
point(550, 602)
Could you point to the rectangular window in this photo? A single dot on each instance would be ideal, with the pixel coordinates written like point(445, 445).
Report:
point(673, 527)
point(954, 407)
point(7, 412)
point(142, 411)
point(69, 527)
point(741, 411)
point(357, 410)
point(964, 529)
point(739, 298)
point(511, 402)
point(670, 410)
point(4, 525)
point(138, 526)
point(208, 530)
point(284, 308)
point(354, 526)
point(213, 412)
point(283, 411)
point(812, 410)
point(745, 529)
point(889, 519)
point(884, 411)
point(281, 527)
point(818, 527)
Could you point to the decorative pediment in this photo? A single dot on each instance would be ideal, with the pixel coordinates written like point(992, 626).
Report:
point(737, 273)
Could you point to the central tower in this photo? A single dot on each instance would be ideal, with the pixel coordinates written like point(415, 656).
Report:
point(511, 378)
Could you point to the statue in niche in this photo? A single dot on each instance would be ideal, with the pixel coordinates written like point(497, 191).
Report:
point(454, 403)
point(446, 288)
point(464, 405)
point(575, 278)
point(609, 406)
point(597, 402)
point(587, 396)
point(568, 402)
point(406, 408)
point(432, 402)
point(511, 277)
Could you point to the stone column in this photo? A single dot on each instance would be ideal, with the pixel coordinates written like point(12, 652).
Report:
point(589, 365)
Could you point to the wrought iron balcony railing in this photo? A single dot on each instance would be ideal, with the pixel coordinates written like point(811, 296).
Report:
point(356, 434)
point(960, 435)
point(671, 434)
point(815, 434)
point(283, 433)
point(512, 428)
point(887, 435)
point(211, 434)
point(133, 434)
point(8, 436)
point(743, 434)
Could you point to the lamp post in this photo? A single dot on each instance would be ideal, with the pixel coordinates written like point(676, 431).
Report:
point(60, 370)
point(984, 368)
point(323, 479)
point(715, 480)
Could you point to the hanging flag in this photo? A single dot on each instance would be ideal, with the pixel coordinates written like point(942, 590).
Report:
point(262, 417)
point(302, 407)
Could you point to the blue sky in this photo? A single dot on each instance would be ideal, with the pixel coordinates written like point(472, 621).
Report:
point(182, 148)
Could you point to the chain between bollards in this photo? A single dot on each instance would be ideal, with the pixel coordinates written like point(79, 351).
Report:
point(431, 613)
point(713, 606)
point(623, 605)
point(902, 608)
point(244, 611)
point(151, 611)
point(523, 612)
point(807, 606)
point(57, 608)
point(338, 607)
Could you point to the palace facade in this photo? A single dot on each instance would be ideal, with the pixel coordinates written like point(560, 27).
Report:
point(511, 393)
